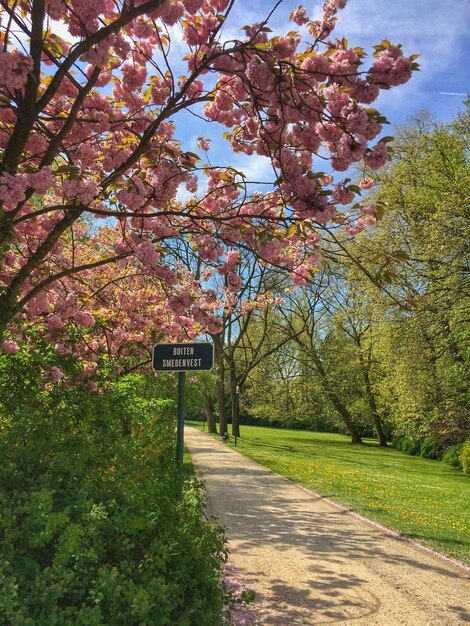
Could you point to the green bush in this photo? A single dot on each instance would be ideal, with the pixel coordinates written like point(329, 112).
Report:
point(93, 527)
point(405, 444)
point(427, 449)
point(465, 457)
point(452, 456)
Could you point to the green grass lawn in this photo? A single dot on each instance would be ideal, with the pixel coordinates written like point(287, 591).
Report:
point(422, 499)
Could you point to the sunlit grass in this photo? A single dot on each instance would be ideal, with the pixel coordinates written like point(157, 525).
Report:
point(421, 499)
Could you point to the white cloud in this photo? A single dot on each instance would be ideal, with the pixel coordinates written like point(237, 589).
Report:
point(256, 168)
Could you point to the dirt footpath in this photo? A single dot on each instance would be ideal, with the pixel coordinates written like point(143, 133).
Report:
point(312, 563)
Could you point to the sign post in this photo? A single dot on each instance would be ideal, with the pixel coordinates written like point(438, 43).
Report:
point(182, 358)
point(180, 422)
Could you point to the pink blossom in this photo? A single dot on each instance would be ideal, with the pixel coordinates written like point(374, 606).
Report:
point(368, 209)
point(209, 248)
point(83, 189)
point(147, 254)
point(391, 67)
point(60, 348)
point(55, 9)
point(214, 325)
point(233, 282)
point(133, 76)
point(42, 180)
point(12, 190)
point(192, 6)
point(170, 12)
point(340, 164)
point(299, 275)
point(36, 144)
point(55, 374)
point(231, 261)
point(84, 319)
point(14, 68)
point(342, 195)
point(366, 183)
point(328, 131)
point(192, 184)
point(285, 46)
point(10, 258)
point(203, 144)
point(160, 91)
point(364, 92)
point(369, 220)
point(38, 305)
point(327, 180)
point(10, 347)
point(315, 67)
point(377, 157)
point(54, 322)
point(89, 369)
point(260, 75)
point(271, 250)
point(179, 304)
point(299, 16)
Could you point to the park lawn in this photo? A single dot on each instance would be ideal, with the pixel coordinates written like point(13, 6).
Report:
point(421, 499)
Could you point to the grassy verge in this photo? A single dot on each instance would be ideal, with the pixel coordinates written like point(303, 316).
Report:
point(422, 499)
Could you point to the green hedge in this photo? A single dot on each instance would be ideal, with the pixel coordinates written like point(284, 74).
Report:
point(93, 527)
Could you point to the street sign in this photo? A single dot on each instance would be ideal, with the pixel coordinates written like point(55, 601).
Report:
point(182, 357)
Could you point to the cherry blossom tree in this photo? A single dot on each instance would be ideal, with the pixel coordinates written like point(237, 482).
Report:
point(94, 103)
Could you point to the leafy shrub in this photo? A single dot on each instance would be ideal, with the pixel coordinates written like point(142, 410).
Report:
point(93, 527)
point(427, 449)
point(450, 426)
point(405, 444)
point(452, 456)
point(465, 457)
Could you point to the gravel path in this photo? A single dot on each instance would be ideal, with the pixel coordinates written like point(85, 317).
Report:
point(310, 562)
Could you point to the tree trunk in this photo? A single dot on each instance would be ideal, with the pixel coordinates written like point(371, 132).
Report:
point(220, 370)
point(335, 400)
point(209, 411)
point(373, 405)
point(234, 399)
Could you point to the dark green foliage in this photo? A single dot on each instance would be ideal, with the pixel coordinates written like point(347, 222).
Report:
point(92, 528)
point(443, 437)
point(465, 457)
point(452, 456)
point(404, 444)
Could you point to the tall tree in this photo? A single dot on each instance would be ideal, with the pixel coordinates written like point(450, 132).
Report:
point(419, 251)
point(303, 318)
point(90, 127)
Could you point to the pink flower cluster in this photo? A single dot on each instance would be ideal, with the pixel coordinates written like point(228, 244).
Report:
point(10, 347)
point(83, 190)
point(231, 261)
point(12, 190)
point(377, 157)
point(391, 67)
point(147, 254)
point(133, 75)
point(299, 16)
point(55, 374)
point(14, 68)
point(342, 195)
